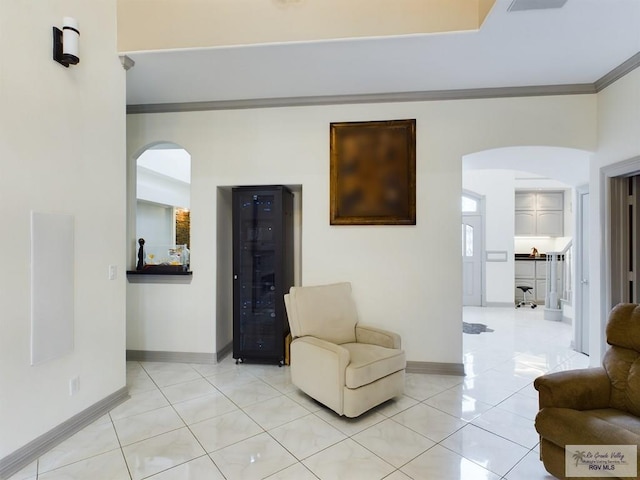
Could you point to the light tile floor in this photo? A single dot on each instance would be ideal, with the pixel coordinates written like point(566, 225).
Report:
point(209, 422)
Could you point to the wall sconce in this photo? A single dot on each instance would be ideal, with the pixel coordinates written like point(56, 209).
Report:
point(66, 42)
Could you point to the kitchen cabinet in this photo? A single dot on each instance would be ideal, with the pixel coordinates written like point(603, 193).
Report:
point(532, 272)
point(549, 223)
point(525, 223)
point(539, 214)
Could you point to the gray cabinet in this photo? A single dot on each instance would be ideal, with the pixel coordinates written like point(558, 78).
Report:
point(541, 290)
point(525, 273)
point(525, 268)
point(549, 201)
point(525, 201)
point(533, 273)
point(525, 223)
point(539, 214)
point(549, 223)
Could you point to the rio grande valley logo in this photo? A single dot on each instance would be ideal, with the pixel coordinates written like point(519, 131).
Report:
point(601, 461)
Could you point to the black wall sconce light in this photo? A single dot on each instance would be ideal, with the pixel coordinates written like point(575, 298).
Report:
point(66, 42)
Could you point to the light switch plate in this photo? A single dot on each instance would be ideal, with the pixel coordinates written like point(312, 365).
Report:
point(113, 272)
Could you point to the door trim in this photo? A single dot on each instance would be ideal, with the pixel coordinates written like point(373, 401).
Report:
point(578, 271)
point(624, 168)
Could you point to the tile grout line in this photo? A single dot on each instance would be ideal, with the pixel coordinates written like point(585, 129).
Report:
point(124, 459)
point(76, 461)
point(386, 461)
point(499, 368)
point(518, 463)
point(473, 461)
point(185, 425)
point(467, 423)
point(38, 472)
point(241, 409)
point(152, 410)
point(502, 436)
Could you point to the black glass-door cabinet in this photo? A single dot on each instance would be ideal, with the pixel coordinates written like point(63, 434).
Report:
point(262, 271)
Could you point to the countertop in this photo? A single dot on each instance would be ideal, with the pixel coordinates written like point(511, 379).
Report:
point(542, 257)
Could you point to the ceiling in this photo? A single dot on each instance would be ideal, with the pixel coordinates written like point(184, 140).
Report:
point(216, 23)
point(576, 44)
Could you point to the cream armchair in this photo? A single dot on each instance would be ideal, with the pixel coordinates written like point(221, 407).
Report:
point(347, 366)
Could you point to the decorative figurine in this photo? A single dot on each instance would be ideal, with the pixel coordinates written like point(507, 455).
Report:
point(140, 264)
point(185, 258)
point(534, 252)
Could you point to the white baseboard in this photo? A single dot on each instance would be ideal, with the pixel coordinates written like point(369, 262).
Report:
point(226, 350)
point(16, 461)
point(436, 368)
point(171, 357)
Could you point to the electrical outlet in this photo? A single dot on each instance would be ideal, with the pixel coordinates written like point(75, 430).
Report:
point(113, 272)
point(74, 385)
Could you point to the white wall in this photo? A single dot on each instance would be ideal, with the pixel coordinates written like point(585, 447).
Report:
point(155, 223)
point(405, 278)
point(155, 187)
point(618, 140)
point(498, 188)
point(62, 150)
point(224, 264)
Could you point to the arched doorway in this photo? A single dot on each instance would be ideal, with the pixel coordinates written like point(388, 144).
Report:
point(534, 169)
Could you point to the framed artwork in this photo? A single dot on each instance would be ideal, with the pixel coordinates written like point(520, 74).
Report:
point(373, 173)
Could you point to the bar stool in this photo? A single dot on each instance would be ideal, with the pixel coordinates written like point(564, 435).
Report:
point(525, 289)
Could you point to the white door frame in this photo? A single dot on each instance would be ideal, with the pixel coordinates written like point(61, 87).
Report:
point(579, 272)
point(481, 199)
point(621, 169)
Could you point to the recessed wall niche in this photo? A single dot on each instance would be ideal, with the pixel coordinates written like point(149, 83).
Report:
point(163, 195)
point(183, 227)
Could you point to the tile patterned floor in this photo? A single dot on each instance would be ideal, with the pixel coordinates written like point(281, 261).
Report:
point(209, 422)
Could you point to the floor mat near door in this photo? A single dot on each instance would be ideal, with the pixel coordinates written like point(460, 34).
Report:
point(475, 328)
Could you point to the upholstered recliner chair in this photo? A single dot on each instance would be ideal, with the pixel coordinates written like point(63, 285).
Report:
point(347, 366)
point(594, 406)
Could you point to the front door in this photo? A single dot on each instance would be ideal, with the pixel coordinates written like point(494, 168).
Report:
point(472, 260)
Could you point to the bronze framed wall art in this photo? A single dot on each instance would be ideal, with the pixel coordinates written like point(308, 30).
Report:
point(373, 173)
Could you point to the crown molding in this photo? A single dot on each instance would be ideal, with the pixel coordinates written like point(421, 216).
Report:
point(426, 96)
point(127, 62)
point(617, 73)
point(398, 97)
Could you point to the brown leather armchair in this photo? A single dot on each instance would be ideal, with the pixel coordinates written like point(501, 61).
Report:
point(595, 406)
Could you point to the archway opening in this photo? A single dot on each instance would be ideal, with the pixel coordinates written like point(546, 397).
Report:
point(163, 201)
point(510, 175)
